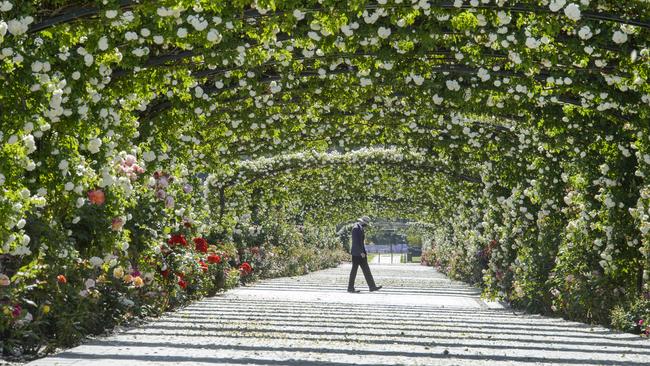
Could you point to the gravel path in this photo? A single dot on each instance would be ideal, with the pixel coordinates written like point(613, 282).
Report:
point(419, 318)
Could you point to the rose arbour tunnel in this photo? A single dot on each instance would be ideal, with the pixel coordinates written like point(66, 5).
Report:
point(514, 133)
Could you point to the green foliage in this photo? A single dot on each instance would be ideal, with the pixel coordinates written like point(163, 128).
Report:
point(633, 317)
point(464, 21)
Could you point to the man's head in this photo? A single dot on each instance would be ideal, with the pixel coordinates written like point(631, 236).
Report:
point(364, 220)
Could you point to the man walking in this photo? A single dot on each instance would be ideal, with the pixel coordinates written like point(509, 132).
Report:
point(359, 256)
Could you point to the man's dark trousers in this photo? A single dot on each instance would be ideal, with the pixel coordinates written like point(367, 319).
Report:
point(357, 261)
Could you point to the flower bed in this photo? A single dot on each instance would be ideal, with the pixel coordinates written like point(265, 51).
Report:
point(49, 306)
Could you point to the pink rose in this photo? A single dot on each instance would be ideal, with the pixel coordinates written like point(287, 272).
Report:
point(129, 160)
point(4, 280)
point(117, 223)
point(96, 197)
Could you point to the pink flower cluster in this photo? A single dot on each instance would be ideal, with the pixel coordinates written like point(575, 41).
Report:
point(130, 168)
point(162, 182)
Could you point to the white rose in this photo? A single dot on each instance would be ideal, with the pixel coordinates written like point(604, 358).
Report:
point(88, 59)
point(585, 33)
point(383, 32)
point(149, 156)
point(6, 6)
point(94, 145)
point(164, 12)
point(214, 36)
point(181, 33)
point(63, 165)
point(102, 44)
point(619, 37)
point(556, 5)
point(572, 11)
point(96, 261)
point(299, 15)
point(37, 66)
point(532, 43)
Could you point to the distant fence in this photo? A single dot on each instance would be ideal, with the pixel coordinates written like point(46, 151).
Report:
point(396, 248)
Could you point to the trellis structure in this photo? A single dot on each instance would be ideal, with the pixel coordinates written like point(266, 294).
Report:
point(538, 110)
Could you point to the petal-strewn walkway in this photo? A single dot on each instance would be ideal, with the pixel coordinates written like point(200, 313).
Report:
point(420, 318)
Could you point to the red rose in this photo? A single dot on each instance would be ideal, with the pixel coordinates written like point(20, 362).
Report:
point(246, 268)
point(165, 273)
point(214, 259)
point(16, 311)
point(182, 283)
point(201, 245)
point(204, 266)
point(61, 279)
point(177, 239)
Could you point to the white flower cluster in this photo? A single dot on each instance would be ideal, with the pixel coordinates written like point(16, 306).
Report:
point(20, 26)
point(197, 22)
point(452, 85)
point(6, 5)
point(168, 12)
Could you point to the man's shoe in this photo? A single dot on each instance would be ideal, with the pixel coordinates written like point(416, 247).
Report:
point(351, 290)
point(376, 288)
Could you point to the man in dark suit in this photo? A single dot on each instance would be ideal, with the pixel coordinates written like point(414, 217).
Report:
point(359, 256)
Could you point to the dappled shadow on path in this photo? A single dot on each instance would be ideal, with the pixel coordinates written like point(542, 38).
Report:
point(259, 327)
